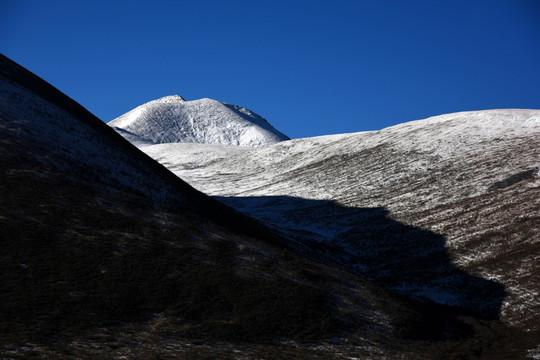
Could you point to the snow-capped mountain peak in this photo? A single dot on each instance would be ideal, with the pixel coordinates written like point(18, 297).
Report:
point(172, 119)
point(171, 98)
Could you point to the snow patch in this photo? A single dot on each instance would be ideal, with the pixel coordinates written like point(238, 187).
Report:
point(174, 120)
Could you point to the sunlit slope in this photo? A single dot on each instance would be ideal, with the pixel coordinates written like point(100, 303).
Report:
point(468, 180)
point(174, 120)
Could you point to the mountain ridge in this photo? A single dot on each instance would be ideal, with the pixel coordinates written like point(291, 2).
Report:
point(424, 173)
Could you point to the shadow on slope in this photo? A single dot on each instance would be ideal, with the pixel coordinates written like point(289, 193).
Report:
point(368, 242)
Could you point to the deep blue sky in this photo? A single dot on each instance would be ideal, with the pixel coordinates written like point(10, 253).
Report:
point(309, 67)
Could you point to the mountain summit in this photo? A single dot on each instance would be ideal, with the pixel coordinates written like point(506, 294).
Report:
point(172, 119)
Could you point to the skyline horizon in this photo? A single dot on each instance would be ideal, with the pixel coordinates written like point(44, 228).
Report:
point(309, 68)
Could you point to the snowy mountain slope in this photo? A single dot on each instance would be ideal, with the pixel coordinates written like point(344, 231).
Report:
point(443, 208)
point(181, 156)
point(134, 139)
point(174, 120)
point(105, 251)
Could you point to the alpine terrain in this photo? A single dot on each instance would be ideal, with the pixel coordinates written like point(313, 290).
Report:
point(194, 132)
point(174, 120)
point(107, 254)
point(442, 210)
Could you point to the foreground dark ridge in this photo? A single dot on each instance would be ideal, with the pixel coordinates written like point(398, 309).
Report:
point(106, 255)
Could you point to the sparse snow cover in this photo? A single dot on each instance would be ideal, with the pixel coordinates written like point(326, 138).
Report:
point(459, 179)
point(174, 120)
point(180, 158)
point(434, 142)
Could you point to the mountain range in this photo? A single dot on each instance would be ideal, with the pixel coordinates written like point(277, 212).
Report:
point(418, 241)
